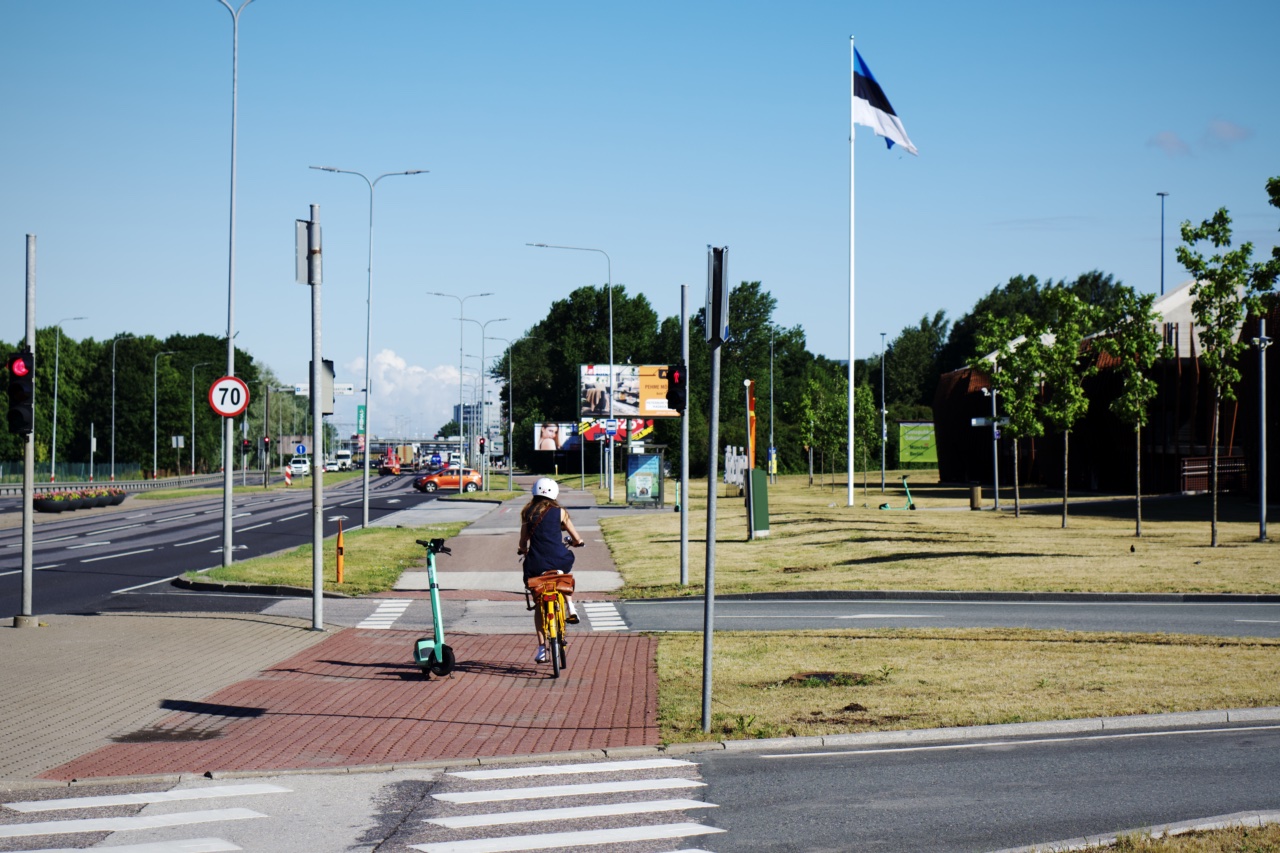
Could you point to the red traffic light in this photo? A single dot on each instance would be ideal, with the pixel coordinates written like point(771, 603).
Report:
point(18, 365)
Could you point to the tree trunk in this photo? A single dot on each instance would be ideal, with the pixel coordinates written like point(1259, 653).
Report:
point(1017, 494)
point(1213, 470)
point(1137, 483)
point(1066, 438)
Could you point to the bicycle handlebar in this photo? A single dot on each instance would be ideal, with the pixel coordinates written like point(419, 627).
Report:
point(435, 546)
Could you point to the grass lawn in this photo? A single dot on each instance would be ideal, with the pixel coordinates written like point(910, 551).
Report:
point(1232, 840)
point(818, 543)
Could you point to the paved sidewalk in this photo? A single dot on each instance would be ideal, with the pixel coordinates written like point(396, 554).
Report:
point(118, 695)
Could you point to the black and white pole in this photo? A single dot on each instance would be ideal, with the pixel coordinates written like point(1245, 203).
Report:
point(27, 619)
point(684, 440)
point(717, 326)
point(314, 278)
point(1262, 342)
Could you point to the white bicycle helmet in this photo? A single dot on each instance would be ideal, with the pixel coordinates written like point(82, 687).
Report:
point(547, 488)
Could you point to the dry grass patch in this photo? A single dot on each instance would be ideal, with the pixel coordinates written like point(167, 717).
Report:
point(817, 543)
point(1238, 839)
point(822, 682)
point(373, 559)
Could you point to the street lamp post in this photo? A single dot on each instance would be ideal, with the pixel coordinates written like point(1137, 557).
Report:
point(155, 410)
point(609, 286)
point(368, 323)
point(884, 413)
point(115, 341)
point(1163, 196)
point(193, 414)
point(511, 411)
point(484, 419)
point(772, 447)
point(53, 450)
point(462, 301)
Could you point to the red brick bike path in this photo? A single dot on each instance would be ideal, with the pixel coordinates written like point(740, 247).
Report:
point(357, 699)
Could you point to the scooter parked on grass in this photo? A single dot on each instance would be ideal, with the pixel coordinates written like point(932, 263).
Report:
point(430, 653)
point(910, 503)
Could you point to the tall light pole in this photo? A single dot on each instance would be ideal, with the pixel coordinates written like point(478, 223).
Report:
point(609, 286)
point(228, 426)
point(193, 414)
point(368, 322)
point(772, 447)
point(511, 410)
point(1262, 342)
point(155, 409)
point(484, 415)
point(1163, 196)
point(53, 452)
point(462, 301)
point(884, 413)
point(115, 341)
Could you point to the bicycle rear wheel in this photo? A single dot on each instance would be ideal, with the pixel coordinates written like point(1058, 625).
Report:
point(561, 639)
point(553, 637)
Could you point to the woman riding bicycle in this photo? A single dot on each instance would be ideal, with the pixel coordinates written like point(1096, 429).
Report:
point(543, 523)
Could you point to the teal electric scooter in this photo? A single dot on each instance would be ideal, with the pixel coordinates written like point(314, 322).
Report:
point(910, 503)
point(430, 653)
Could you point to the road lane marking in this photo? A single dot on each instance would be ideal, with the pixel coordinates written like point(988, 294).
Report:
point(43, 541)
point(196, 541)
point(1005, 744)
point(113, 556)
point(255, 527)
point(292, 517)
point(560, 769)
point(551, 791)
point(113, 529)
point(838, 616)
point(386, 614)
point(34, 569)
point(570, 813)
point(121, 824)
point(603, 616)
point(557, 840)
point(1261, 621)
point(87, 545)
point(147, 797)
point(176, 517)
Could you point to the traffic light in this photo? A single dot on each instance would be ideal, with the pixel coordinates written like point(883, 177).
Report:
point(245, 445)
point(678, 387)
point(482, 444)
point(22, 396)
point(266, 442)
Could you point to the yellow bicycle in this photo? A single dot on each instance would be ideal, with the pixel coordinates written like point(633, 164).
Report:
point(548, 591)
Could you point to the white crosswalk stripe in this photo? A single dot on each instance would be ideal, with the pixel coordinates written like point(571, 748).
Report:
point(615, 809)
point(121, 824)
point(186, 845)
point(386, 614)
point(603, 616)
point(207, 793)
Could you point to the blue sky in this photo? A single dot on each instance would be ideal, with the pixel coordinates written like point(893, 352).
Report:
point(650, 131)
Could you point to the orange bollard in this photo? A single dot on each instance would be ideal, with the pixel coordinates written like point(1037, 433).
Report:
point(339, 550)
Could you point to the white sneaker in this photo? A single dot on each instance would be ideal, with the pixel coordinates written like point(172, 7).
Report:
point(541, 656)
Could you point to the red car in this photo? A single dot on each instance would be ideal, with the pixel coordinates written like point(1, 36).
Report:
point(465, 479)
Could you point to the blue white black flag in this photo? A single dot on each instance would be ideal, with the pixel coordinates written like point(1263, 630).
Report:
point(872, 109)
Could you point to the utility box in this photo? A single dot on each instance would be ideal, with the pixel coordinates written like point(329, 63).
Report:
point(757, 503)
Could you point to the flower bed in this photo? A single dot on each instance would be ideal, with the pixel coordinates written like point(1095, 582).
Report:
point(66, 501)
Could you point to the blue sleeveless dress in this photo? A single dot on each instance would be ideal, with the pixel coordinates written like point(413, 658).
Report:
point(547, 551)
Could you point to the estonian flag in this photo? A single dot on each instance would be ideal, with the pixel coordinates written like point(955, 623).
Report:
point(872, 109)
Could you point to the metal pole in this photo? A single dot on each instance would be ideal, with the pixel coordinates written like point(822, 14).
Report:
point(317, 424)
point(995, 449)
point(769, 456)
point(884, 413)
point(1262, 342)
point(228, 482)
point(684, 440)
point(1162, 195)
point(709, 596)
point(27, 619)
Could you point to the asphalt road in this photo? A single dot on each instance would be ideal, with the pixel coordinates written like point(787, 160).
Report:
point(80, 561)
point(1211, 619)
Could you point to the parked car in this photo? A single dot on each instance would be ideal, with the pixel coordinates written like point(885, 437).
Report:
point(331, 465)
point(465, 479)
point(300, 466)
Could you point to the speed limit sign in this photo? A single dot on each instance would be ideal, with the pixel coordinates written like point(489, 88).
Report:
point(229, 396)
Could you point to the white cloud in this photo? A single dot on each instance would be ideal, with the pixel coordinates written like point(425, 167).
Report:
point(1222, 133)
point(1170, 143)
point(408, 400)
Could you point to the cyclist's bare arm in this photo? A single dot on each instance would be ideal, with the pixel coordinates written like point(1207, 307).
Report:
point(524, 540)
point(568, 527)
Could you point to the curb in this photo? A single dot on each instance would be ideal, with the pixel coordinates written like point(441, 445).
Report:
point(929, 595)
point(259, 589)
point(863, 739)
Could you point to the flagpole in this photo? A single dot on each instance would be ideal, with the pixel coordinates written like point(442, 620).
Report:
point(851, 278)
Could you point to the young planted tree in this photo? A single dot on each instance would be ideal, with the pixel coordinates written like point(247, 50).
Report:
point(1133, 339)
point(1069, 318)
point(1009, 351)
point(1224, 292)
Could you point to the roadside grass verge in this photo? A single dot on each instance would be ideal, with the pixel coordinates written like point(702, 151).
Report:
point(1236, 839)
point(302, 484)
point(491, 495)
point(373, 559)
point(823, 682)
point(818, 543)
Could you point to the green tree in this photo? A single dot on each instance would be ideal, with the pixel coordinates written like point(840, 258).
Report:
point(1133, 340)
point(450, 428)
point(1223, 293)
point(1009, 353)
point(1069, 318)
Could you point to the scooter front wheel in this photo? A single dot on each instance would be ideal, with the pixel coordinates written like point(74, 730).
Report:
point(441, 667)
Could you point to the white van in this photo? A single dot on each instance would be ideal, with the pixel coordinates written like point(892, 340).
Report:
point(343, 458)
point(456, 460)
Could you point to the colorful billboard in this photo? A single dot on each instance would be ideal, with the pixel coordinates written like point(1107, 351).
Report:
point(555, 436)
point(638, 391)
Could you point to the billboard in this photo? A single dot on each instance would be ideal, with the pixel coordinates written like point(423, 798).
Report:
point(916, 443)
point(638, 391)
point(597, 430)
point(555, 436)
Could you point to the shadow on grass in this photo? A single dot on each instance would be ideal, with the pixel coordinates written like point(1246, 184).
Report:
point(904, 556)
point(1232, 508)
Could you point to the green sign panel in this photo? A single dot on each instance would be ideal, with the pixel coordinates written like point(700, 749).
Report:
point(359, 420)
point(916, 442)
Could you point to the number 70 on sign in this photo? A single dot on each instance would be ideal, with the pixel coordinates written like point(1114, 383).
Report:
point(229, 396)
